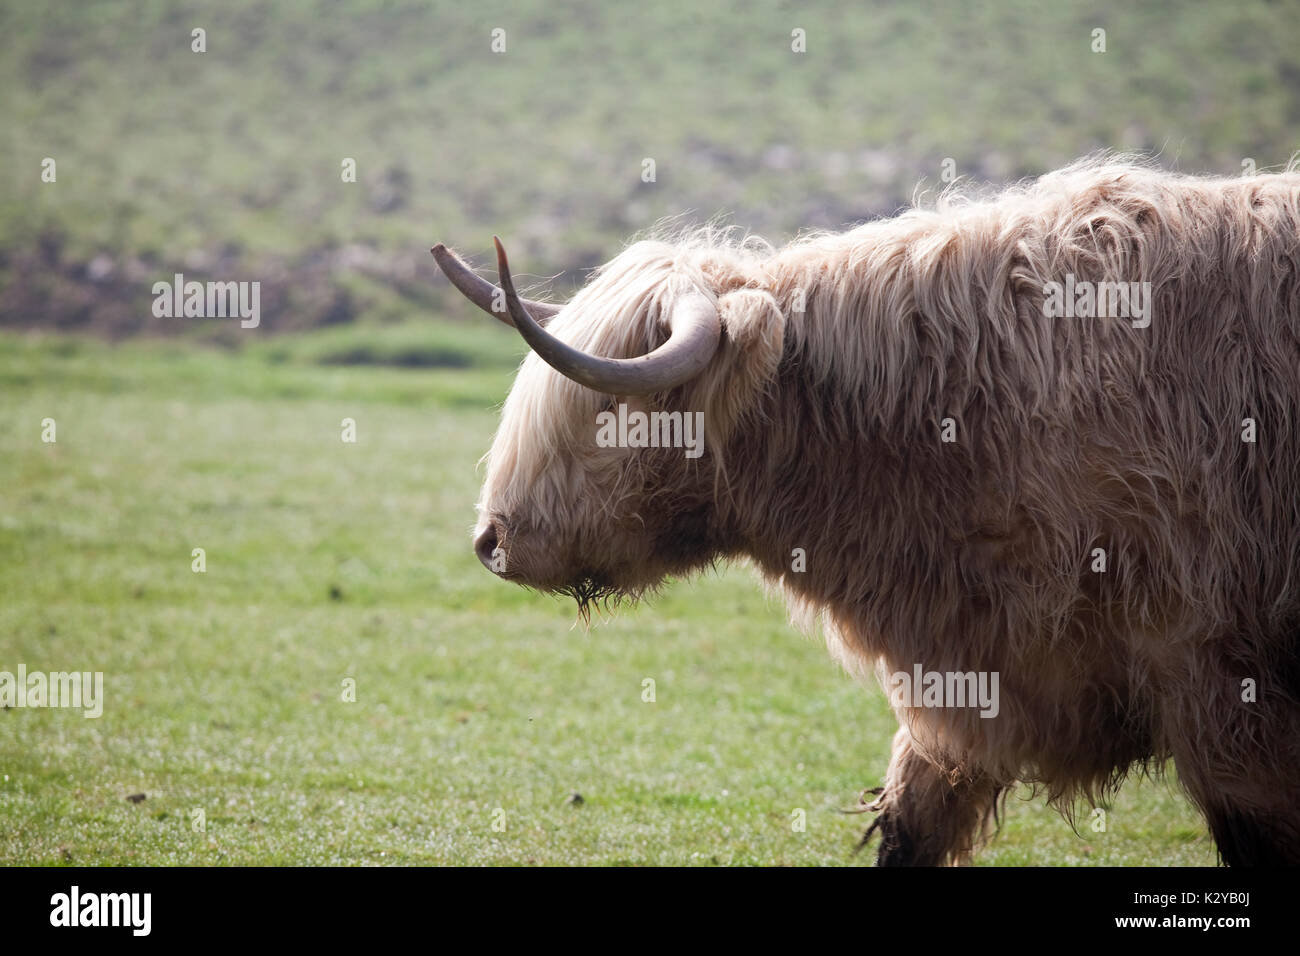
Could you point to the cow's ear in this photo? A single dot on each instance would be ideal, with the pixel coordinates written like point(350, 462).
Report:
point(753, 335)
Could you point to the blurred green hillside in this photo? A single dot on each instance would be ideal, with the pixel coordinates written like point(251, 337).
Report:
point(226, 164)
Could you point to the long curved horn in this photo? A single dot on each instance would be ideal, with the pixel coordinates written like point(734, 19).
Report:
point(479, 291)
point(695, 326)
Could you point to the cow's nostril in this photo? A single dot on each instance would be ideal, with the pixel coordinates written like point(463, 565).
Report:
point(485, 547)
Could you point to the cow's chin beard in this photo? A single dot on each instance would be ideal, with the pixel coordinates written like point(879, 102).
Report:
point(623, 584)
point(594, 590)
point(605, 587)
point(600, 591)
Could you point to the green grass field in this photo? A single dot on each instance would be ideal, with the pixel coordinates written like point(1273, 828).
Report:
point(476, 702)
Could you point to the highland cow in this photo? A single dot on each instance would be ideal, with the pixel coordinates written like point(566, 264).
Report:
point(1101, 511)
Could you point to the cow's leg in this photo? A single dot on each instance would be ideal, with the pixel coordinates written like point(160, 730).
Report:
point(1251, 804)
point(1238, 758)
point(1252, 811)
point(1246, 838)
point(929, 815)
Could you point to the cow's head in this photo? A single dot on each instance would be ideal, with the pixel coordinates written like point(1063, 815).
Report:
point(656, 330)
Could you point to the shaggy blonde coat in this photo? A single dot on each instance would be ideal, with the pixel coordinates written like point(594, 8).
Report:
point(1172, 451)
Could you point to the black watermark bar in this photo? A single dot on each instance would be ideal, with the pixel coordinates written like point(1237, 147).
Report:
point(332, 906)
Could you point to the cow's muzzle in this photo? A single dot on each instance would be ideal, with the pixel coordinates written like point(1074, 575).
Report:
point(486, 546)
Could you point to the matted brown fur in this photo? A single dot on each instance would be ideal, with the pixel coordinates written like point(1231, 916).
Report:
point(823, 432)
